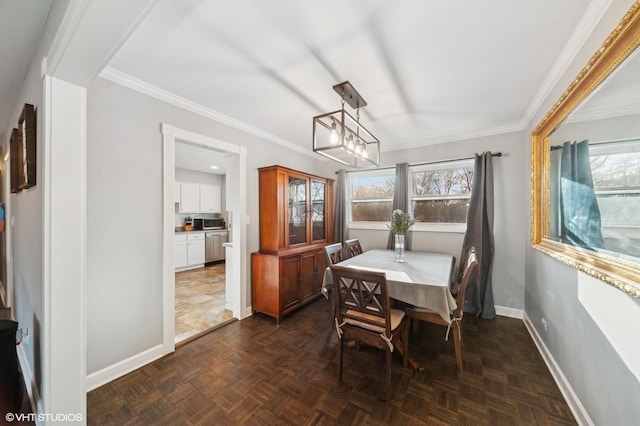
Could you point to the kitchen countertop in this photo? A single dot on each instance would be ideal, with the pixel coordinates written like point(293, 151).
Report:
point(179, 230)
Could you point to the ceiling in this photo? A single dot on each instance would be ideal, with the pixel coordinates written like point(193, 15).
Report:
point(21, 26)
point(431, 71)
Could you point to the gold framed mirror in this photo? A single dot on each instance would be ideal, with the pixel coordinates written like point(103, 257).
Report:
point(600, 108)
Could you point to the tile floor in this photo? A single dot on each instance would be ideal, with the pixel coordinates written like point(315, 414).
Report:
point(200, 300)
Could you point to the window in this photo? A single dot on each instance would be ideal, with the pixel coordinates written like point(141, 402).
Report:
point(371, 195)
point(616, 181)
point(440, 192)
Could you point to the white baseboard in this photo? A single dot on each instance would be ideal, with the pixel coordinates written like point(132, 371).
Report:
point(119, 369)
point(576, 407)
point(29, 380)
point(509, 312)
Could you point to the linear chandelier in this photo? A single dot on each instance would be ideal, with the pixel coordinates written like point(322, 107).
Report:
point(340, 137)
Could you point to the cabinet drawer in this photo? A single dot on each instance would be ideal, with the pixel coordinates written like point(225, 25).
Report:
point(194, 237)
point(179, 238)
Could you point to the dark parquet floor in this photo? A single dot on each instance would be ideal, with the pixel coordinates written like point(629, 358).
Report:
point(255, 373)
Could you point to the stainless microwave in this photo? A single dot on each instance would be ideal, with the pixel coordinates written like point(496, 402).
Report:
point(205, 223)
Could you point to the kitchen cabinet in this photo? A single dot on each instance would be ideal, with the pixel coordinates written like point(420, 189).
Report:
point(199, 197)
point(176, 192)
point(180, 251)
point(295, 225)
point(188, 250)
point(210, 198)
point(189, 197)
point(195, 249)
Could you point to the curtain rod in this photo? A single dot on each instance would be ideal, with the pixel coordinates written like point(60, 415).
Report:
point(554, 147)
point(451, 160)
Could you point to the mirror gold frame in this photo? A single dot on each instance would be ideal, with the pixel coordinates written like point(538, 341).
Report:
point(619, 273)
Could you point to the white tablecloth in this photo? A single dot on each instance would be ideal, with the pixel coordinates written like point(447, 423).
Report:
point(423, 280)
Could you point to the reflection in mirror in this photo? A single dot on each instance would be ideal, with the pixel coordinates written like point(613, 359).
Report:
point(595, 169)
point(585, 165)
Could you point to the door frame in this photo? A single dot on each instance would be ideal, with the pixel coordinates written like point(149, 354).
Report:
point(236, 177)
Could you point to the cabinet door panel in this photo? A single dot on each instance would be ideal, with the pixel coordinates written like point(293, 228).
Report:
point(180, 254)
point(189, 197)
point(318, 210)
point(195, 252)
point(289, 281)
point(210, 198)
point(297, 209)
point(307, 272)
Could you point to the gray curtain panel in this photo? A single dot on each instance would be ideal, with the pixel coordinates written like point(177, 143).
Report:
point(340, 208)
point(401, 201)
point(580, 222)
point(479, 295)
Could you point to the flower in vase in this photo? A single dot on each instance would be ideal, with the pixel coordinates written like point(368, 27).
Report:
point(400, 222)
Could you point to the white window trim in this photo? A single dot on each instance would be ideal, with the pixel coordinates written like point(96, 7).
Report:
point(456, 228)
point(364, 174)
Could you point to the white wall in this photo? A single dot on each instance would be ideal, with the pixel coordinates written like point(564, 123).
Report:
point(593, 364)
point(124, 304)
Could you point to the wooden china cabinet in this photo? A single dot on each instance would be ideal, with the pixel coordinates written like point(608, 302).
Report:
point(296, 223)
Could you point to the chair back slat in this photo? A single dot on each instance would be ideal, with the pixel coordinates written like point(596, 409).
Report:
point(361, 296)
point(352, 247)
point(335, 253)
point(470, 268)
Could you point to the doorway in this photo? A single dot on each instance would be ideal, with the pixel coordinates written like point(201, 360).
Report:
point(201, 227)
point(235, 287)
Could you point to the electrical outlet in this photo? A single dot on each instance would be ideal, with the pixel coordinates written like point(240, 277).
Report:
point(544, 324)
point(22, 336)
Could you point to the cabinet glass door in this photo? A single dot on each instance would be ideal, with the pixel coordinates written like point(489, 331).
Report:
point(318, 210)
point(297, 210)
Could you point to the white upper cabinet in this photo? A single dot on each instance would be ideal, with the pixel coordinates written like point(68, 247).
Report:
point(189, 197)
point(210, 198)
point(176, 192)
point(199, 197)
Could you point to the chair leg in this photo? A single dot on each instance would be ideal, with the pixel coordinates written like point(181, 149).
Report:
point(340, 341)
point(405, 344)
point(457, 343)
point(387, 380)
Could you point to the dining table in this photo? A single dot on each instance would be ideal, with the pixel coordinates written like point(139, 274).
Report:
point(423, 279)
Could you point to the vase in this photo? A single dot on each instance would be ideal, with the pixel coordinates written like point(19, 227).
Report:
point(399, 242)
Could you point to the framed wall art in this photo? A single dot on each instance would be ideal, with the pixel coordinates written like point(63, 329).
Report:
point(16, 161)
point(27, 129)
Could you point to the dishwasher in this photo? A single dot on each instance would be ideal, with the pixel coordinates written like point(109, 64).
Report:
point(213, 247)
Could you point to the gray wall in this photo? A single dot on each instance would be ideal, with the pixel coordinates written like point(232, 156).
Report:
point(26, 208)
point(124, 214)
point(596, 366)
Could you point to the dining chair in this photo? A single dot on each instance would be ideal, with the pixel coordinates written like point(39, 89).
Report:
point(364, 315)
point(421, 314)
point(352, 247)
point(335, 253)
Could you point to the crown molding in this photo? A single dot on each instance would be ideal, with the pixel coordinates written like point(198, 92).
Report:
point(587, 24)
point(143, 87)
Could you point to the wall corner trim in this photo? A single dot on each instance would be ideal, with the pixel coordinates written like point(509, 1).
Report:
point(505, 311)
point(578, 410)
